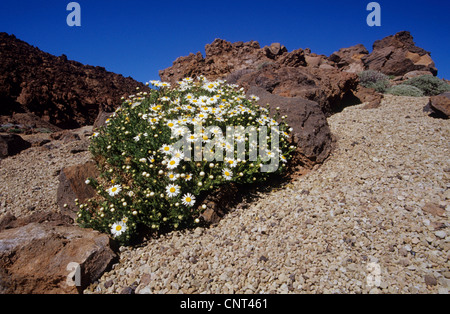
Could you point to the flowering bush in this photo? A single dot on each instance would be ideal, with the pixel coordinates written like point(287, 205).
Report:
point(162, 151)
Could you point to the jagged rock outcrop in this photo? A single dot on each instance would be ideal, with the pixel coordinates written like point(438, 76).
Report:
point(397, 55)
point(350, 59)
point(283, 73)
point(223, 58)
point(65, 93)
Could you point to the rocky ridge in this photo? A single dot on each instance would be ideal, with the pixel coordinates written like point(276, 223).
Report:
point(65, 93)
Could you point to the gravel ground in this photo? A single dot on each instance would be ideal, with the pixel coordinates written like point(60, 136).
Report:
point(372, 219)
point(29, 181)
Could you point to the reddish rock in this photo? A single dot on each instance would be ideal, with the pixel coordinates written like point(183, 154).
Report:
point(330, 88)
point(349, 59)
point(441, 104)
point(310, 127)
point(369, 96)
point(36, 252)
point(273, 68)
point(64, 93)
point(397, 55)
point(72, 185)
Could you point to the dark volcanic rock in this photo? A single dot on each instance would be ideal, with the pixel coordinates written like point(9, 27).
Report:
point(330, 88)
point(272, 68)
point(65, 93)
point(397, 55)
point(12, 144)
point(311, 132)
point(72, 185)
point(441, 104)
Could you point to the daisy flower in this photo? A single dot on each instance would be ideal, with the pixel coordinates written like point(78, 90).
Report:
point(118, 229)
point(166, 149)
point(178, 154)
point(173, 163)
point(188, 200)
point(231, 162)
point(172, 124)
point(172, 176)
point(188, 176)
point(113, 191)
point(227, 174)
point(172, 190)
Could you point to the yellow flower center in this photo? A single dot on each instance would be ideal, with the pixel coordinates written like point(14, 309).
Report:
point(118, 228)
point(114, 189)
point(172, 190)
point(188, 199)
point(172, 162)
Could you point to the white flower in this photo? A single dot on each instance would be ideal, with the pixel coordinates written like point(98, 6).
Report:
point(113, 191)
point(172, 190)
point(231, 162)
point(118, 228)
point(172, 176)
point(188, 200)
point(166, 149)
point(173, 163)
point(137, 138)
point(227, 174)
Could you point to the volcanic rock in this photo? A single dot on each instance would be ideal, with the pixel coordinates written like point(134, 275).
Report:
point(311, 132)
point(72, 185)
point(330, 88)
point(349, 59)
point(12, 144)
point(441, 104)
point(273, 68)
point(65, 93)
point(397, 55)
point(36, 254)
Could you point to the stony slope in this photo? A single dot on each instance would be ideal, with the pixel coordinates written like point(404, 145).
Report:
point(381, 201)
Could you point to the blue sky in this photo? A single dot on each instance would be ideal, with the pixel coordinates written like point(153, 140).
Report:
point(139, 38)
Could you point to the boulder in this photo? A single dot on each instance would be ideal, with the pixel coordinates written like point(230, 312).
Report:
point(311, 132)
point(330, 88)
point(72, 185)
point(12, 144)
point(397, 55)
point(38, 254)
point(441, 105)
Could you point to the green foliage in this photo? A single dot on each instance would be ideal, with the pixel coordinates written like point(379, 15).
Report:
point(405, 90)
point(147, 182)
point(429, 85)
point(375, 80)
